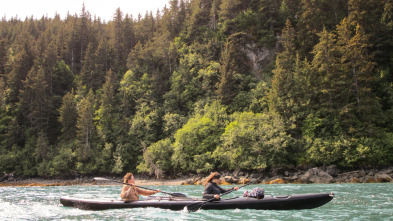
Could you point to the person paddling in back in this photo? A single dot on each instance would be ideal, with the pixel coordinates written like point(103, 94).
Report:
point(131, 192)
point(212, 190)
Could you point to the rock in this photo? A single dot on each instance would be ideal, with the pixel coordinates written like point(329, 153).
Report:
point(256, 175)
point(231, 179)
point(368, 179)
point(332, 170)
point(7, 177)
point(291, 179)
point(316, 175)
point(236, 172)
point(387, 171)
point(382, 177)
point(355, 180)
point(243, 180)
point(191, 181)
point(228, 179)
point(277, 181)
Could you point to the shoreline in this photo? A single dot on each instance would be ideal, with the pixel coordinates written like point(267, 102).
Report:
point(324, 175)
point(39, 182)
point(152, 182)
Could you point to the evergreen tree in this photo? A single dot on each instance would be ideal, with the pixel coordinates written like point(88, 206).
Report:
point(358, 66)
point(35, 100)
point(283, 81)
point(88, 73)
point(315, 13)
point(199, 19)
point(81, 39)
point(43, 148)
point(120, 41)
point(327, 76)
point(20, 65)
point(68, 117)
point(85, 127)
point(108, 111)
point(226, 89)
point(3, 56)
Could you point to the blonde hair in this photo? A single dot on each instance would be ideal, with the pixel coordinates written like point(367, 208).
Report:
point(127, 177)
point(210, 177)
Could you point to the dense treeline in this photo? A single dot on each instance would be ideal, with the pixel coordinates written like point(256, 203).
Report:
point(200, 85)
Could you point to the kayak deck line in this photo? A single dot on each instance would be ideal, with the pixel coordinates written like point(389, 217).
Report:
point(269, 202)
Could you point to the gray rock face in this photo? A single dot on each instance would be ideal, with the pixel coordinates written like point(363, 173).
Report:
point(316, 175)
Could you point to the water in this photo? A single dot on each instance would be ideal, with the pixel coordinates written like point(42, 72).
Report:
point(352, 202)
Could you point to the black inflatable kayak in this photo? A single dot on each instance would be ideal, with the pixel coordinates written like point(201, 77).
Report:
point(293, 202)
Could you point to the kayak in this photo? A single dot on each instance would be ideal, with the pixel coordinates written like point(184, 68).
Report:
point(269, 202)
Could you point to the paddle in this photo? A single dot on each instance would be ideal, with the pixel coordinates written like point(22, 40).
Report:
point(172, 194)
point(196, 206)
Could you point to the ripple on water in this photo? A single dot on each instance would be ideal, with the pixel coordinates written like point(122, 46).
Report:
point(352, 202)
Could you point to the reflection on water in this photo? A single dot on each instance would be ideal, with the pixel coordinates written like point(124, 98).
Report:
point(352, 202)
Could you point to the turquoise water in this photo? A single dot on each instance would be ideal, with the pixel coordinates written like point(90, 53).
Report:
point(352, 202)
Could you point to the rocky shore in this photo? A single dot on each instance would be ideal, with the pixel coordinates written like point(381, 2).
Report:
point(330, 174)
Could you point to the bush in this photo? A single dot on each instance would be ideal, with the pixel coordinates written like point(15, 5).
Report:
point(157, 155)
point(199, 136)
point(254, 141)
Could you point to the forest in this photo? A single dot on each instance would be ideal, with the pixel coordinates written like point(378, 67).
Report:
point(199, 85)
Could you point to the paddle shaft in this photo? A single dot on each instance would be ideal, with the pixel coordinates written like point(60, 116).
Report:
point(227, 192)
point(98, 178)
point(196, 206)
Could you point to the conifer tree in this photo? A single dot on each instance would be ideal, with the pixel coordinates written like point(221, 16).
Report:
point(327, 75)
point(68, 116)
point(85, 127)
point(3, 56)
point(108, 111)
point(283, 81)
point(35, 100)
point(358, 67)
point(42, 148)
point(20, 66)
point(226, 89)
point(91, 77)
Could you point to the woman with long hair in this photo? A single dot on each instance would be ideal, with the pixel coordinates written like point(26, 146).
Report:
point(212, 190)
point(131, 192)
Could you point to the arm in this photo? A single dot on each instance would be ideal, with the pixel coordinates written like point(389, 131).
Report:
point(146, 192)
point(222, 190)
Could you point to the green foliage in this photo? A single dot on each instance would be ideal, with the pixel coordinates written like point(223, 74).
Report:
point(185, 85)
point(173, 93)
point(157, 157)
point(325, 151)
point(344, 152)
point(64, 162)
point(198, 138)
point(68, 116)
point(254, 141)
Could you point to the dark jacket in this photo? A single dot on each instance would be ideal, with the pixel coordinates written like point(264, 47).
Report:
point(212, 189)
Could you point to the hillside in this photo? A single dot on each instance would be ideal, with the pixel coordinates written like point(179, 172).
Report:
point(201, 85)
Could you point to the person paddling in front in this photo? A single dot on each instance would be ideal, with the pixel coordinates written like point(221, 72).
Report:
point(131, 192)
point(212, 190)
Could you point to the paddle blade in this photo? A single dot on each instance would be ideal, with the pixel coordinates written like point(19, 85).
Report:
point(195, 206)
point(177, 195)
point(100, 179)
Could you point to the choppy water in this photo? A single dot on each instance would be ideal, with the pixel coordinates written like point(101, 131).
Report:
point(352, 202)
